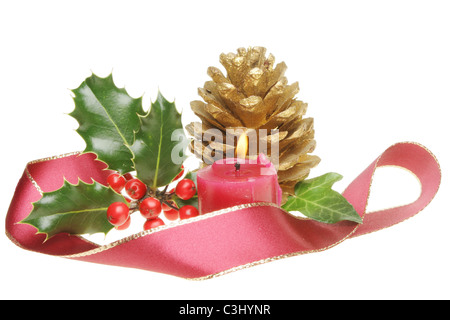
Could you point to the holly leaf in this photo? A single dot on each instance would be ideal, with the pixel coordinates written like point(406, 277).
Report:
point(181, 203)
point(160, 144)
point(108, 118)
point(192, 175)
point(316, 200)
point(75, 209)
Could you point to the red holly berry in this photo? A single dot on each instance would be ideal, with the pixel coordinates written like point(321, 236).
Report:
point(171, 214)
point(136, 189)
point(118, 213)
point(153, 223)
point(150, 208)
point(116, 182)
point(128, 176)
point(165, 207)
point(187, 212)
point(185, 189)
point(125, 225)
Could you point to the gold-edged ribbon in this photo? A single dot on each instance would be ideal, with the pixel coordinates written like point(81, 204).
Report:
point(219, 242)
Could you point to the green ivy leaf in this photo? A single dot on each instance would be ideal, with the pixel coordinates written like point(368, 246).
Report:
point(316, 200)
point(108, 118)
point(161, 134)
point(75, 209)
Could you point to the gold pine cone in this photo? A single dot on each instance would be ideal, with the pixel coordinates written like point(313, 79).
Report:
point(255, 95)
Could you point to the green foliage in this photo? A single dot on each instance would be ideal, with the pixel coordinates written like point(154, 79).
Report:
point(160, 134)
point(316, 200)
point(108, 118)
point(75, 209)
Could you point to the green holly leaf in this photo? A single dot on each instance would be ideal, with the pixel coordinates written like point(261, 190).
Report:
point(316, 200)
point(181, 203)
point(192, 175)
point(75, 209)
point(160, 144)
point(108, 118)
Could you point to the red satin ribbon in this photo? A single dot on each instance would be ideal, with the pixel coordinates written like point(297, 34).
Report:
point(218, 242)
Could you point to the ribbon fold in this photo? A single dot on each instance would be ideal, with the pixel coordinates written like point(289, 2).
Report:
point(218, 242)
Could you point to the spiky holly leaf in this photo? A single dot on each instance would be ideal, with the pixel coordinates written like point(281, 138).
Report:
point(316, 200)
point(108, 118)
point(74, 209)
point(160, 144)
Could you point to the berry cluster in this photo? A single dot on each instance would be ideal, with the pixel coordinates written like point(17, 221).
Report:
point(150, 203)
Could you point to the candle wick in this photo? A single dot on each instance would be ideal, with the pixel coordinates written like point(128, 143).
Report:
point(237, 167)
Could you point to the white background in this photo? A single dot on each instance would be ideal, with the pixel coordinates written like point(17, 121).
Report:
point(373, 73)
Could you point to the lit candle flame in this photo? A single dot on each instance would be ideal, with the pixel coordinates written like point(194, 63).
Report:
point(242, 146)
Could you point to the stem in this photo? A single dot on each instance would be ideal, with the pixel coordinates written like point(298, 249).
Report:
point(134, 204)
point(163, 196)
point(167, 203)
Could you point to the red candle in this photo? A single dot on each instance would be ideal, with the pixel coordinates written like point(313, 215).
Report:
point(235, 181)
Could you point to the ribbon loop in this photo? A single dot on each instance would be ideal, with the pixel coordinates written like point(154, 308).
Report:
point(410, 156)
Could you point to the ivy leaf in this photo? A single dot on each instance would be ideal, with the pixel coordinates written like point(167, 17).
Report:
point(316, 200)
point(159, 146)
point(108, 118)
point(75, 209)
